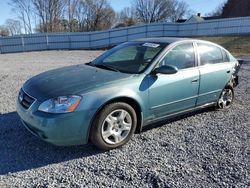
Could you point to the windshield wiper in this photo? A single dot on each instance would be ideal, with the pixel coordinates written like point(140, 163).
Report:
point(105, 67)
point(89, 63)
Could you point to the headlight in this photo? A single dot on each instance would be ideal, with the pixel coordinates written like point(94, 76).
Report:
point(62, 104)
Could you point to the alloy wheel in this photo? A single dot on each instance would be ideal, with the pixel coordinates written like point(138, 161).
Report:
point(116, 126)
point(226, 98)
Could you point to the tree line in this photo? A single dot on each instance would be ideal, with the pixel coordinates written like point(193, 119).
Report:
point(87, 15)
point(232, 8)
point(95, 15)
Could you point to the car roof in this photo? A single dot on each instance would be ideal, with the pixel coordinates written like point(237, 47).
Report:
point(167, 40)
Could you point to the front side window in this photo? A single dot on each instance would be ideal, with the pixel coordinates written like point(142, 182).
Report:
point(209, 54)
point(181, 56)
point(131, 57)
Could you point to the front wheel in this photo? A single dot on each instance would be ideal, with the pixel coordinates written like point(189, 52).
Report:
point(113, 126)
point(226, 98)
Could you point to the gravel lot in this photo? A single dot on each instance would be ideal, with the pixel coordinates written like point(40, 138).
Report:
point(206, 149)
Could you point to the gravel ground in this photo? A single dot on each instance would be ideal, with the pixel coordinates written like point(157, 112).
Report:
point(206, 149)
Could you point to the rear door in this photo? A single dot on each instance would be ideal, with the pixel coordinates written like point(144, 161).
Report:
point(215, 72)
point(170, 93)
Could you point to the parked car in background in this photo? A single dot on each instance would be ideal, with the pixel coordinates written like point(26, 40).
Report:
point(128, 87)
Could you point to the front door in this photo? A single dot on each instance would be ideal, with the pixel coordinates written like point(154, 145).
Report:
point(172, 93)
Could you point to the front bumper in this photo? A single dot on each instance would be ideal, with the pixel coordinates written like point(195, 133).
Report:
point(58, 129)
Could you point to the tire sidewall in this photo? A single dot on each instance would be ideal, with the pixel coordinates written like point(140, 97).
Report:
point(96, 129)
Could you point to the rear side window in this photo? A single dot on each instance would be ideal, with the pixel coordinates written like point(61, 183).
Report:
point(209, 54)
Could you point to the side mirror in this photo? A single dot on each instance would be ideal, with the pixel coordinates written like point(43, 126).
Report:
point(166, 69)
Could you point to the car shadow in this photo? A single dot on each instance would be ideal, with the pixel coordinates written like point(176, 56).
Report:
point(176, 118)
point(20, 150)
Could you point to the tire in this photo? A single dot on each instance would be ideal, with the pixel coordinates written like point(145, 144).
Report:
point(226, 98)
point(113, 126)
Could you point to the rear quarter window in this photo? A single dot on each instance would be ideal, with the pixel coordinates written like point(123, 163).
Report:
point(231, 57)
point(225, 56)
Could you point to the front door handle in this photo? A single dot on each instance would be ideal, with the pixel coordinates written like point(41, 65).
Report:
point(228, 71)
point(195, 80)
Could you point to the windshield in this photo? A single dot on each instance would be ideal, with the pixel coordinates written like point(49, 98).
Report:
point(130, 57)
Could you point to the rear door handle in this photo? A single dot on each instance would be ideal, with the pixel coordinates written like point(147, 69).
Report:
point(228, 71)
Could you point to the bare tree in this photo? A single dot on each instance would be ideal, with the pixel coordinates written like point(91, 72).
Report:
point(72, 12)
point(14, 27)
point(127, 17)
point(80, 13)
point(23, 9)
point(153, 10)
point(218, 10)
point(50, 14)
point(4, 32)
point(98, 15)
point(148, 11)
point(180, 9)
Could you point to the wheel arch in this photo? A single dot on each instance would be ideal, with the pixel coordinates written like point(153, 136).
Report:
point(132, 102)
point(229, 84)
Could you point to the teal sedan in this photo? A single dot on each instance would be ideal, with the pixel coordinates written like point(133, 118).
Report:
point(125, 89)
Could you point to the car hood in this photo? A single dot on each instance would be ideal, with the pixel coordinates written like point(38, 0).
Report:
point(70, 80)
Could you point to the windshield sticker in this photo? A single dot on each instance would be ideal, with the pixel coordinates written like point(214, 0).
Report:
point(151, 45)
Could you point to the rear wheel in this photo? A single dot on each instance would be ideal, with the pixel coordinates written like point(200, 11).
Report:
point(113, 126)
point(226, 98)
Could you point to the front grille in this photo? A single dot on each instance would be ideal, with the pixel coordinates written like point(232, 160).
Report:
point(25, 100)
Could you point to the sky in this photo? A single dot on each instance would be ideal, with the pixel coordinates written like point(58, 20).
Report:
point(198, 6)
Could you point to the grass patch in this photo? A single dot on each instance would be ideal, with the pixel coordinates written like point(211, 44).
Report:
point(238, 46)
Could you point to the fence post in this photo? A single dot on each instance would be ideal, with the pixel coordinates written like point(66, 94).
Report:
point(69, 41)
point(22, 42)
point(47, 40)
point(89, 40)
point(163, 29)
point(239, 28)
point(126, 34)
point(1, 44)
point(109, 39)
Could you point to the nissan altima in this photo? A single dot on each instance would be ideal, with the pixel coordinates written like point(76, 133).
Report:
point(128, 87)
